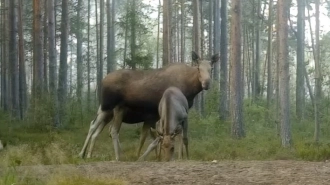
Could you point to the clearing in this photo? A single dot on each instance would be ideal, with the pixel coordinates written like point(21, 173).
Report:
point(194, 172)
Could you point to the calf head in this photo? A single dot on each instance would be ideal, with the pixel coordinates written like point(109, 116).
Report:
point(167, 141)
point(204, 68)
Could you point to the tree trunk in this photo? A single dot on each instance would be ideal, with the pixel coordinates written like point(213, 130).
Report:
point(166, 32)
point(113, 63)
point(88, 57)
point(236, 103)
point(257, 54)
point(133, 36)
point(300, 83)
point(183, 37)
point(216, 66)
point(318, 76)
point(100, 73)
point(45, 51)
point(22, 74)
point(158, 24)
point(282, 9)
point(196, 43)
point(13, 60)
point(223, 110)
point(37, 51)
point(52, 58)
point(97, 54)
point(79, 53)
point(270, 55)
point(63, 69)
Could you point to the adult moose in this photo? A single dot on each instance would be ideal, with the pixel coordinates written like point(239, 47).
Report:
point(141, 90)
point(173, 111)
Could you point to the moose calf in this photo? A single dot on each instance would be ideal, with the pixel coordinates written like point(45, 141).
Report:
point(173, 110)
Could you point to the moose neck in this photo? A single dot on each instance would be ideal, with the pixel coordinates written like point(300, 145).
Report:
point(193, 84)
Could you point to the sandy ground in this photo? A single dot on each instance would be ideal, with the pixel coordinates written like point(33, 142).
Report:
point(193, 172)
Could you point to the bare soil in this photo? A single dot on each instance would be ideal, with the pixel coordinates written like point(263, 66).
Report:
point(193, 172)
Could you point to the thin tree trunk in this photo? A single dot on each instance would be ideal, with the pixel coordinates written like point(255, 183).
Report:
point(257, 54)
point(126, 38)
point(13, 60)
point(100, 73)
point(22, 74)
point(183, 37)
point(97, 54)
point(166, 32)
point(45, 51)
point(270, 56)
point(223, 111)
point(318, 76)
point(79, 53)
point(309, 86)
point(196, 43)
point(300, 83)
point(282, 9)
point(52, 58)
point(88, 57)
point(63, 69)
point(158, 24)
point(113, 63)
point(237, 129)
point(133, 36)
point(37, 51)
point(217, 47)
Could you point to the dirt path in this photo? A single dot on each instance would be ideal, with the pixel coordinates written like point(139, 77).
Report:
point(192, 172)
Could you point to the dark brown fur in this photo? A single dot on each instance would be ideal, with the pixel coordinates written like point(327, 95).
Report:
point(135, 94)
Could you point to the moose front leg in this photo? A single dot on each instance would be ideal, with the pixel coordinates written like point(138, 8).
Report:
point(151, 147)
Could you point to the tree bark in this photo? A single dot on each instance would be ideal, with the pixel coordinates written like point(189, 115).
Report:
point(166, 32)
point(237, 129)
point(13, 60)
point(270, 55)
point(88, 56)
point(300, 83)
point(257, 54)
point(318, 76)
point(37, 51)
point(63, 69)
point(45, 51)
point(217, 28)
point(22, 74)
point(79, 53)
point(223, 110)
point(282, 9)
point(196, 43)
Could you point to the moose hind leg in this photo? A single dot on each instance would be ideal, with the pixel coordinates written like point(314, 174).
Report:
point(93, 138)
point(93, 126)
point(117, 121)
point(143, 137)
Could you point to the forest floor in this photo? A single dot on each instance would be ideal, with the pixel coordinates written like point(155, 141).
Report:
point(193, 172)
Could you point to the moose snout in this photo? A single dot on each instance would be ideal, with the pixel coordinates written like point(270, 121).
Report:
point(206, 84)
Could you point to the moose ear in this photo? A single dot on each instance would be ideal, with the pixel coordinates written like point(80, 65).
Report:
point(215, 58)
point(195, 57)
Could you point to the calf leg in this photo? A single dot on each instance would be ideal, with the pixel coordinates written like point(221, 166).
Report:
point(180, 148)
point(118, 118)
point(185, 136)
point(100, 118)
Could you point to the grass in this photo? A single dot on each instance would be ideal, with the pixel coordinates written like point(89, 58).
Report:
point(32, 142)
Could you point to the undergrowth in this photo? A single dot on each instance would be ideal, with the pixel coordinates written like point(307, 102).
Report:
point(34, 141)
